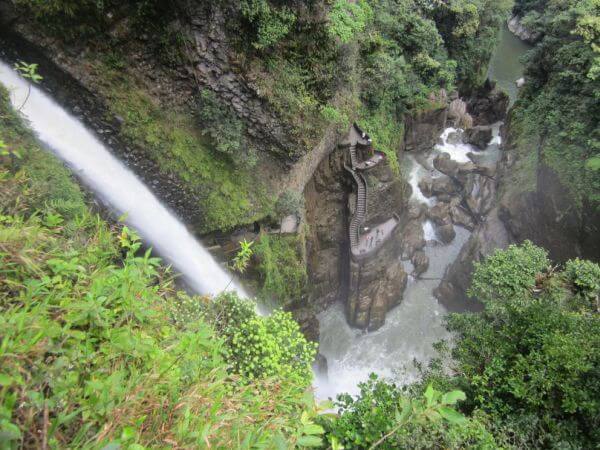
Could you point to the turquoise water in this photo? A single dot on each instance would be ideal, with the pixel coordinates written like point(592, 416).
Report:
point(505, 66)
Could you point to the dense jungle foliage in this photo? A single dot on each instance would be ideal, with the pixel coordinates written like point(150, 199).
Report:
point(556, 118)
point(98, 347)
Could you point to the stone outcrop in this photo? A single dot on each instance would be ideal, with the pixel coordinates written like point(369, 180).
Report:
point(517, 28)
point(218, 67)
point(489, 236)
point(479, 136)
point(488, 104)
point(376, 286)
point(423, 129)
point(326, 200)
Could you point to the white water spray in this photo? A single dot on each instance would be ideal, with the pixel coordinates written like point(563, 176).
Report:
point(457, 151)
point(117, 186)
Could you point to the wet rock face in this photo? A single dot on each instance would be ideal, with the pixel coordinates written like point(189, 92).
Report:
point(326, 198)
point(479, 136)
point(490, 235)
point(446, 233)
point(377, 284)
point(445, 164)
point(412, 238)
point(423, 130)
point(458, 115)
point(518, 29)
point(375, 289)
point(440, 214)
point(217, 67)
point(420, 263)
point(488, 105)
point(548, 218)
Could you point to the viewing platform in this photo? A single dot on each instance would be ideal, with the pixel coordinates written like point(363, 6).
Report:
point(364, 242)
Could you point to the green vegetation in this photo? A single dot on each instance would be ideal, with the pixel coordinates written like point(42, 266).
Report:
point(346, 19)
point(99, 350)
point(524, 371)
point(281, 268)
point(530, 360)
point(508, 274)
point(225, 129)
point(271, 24)
point(469, 29)
point(556, 118)
point(385, 417)
point(228, 194)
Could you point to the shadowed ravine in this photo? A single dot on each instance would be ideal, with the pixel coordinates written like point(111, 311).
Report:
point(416, 324)
point(115, 185)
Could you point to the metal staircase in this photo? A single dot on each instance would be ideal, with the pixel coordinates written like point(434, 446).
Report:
point(361, 205)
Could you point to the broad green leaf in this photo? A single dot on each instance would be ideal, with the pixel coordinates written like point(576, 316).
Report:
point(452, 415)
point(450, 398)
point(312, 428)
point(429, 393)
point(310, 441)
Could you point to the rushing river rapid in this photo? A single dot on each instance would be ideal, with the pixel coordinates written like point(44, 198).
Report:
point(411, 328)
point(417, 323)
point(117, 186)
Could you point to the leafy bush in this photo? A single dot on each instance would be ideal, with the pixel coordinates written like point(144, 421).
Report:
point(225, 129)
point(282, 269)
point(272, 346)
point(508, 274)
point(529, 361)
point(585, 279)
point(385, 417)
point(99, 351)
point(289, 202)
point(346, 19)
point(558, 108)
point(271, 24)
point(470, 29)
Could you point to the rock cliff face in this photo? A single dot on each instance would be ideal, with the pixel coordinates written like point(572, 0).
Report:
point(422, 130)
point(219, 68)
point(326, 200)
point(522, 32)
point(368, 288)
point(376, 284)
point(544, 211)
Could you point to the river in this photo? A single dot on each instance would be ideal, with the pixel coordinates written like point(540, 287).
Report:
point(417, 323)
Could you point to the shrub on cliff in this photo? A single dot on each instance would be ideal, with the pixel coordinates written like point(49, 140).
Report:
point(384, 416)
point(93, 353)
point(530, 360)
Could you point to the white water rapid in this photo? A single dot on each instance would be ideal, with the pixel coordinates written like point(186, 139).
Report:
point(411, 328)
point(123, 192)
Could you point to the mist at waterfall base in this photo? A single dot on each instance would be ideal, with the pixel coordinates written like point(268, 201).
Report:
point(118, 187)
point(412, 327)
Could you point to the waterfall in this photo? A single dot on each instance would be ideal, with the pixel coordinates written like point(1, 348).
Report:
point(116, 185)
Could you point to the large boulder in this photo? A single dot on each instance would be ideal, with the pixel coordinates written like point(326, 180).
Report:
point(480, 193)
point(460, 216)
point(440, 214)
point(458, 115)
point(443, 185)
point(488, 104)
point(479, 136)
point(446, 233)
point(415, 211)
point(517, 28)
point(423, 129)
point(425, 185)
point(412, 238)
point(452, 291)
point(420, 263)
point(445, 164)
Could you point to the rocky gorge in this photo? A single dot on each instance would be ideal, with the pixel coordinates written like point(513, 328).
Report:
point(455, 194)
